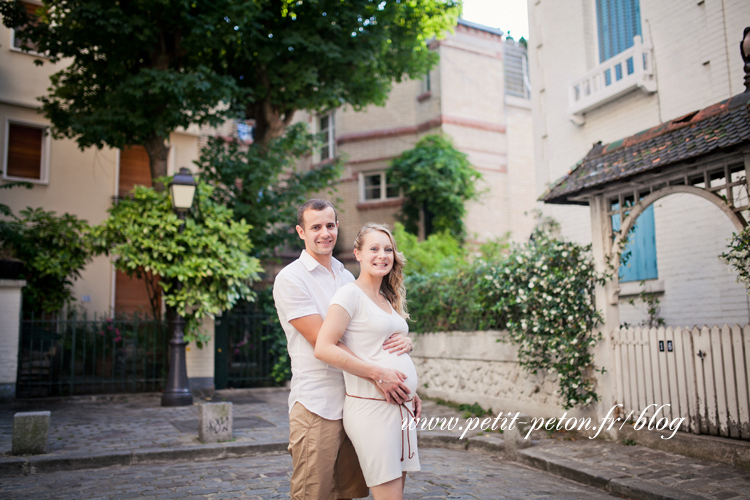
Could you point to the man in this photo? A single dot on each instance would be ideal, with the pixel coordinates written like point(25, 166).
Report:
point(325, 464)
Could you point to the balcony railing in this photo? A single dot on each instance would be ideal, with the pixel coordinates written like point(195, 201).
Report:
point(623, 73)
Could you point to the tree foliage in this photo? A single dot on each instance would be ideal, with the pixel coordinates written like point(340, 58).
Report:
point(263, 186)
point(54, 249)
point(436, 253)
point(316, 55)
point(137, 69)
point(140, 69)
point(437, 180)
point(203, 270)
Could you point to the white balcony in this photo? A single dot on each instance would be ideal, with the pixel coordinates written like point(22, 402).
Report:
point(623, 73)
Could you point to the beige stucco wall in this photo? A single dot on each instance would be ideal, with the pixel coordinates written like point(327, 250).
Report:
point(697, 63)
point(81, 183)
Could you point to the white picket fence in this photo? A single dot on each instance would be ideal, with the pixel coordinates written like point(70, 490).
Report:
point(702, 373)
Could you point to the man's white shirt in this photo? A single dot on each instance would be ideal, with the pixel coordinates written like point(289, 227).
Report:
point(301, 289)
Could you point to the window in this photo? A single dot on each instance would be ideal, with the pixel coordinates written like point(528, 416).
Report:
point(618, 21)
point(31, 8)
point(26, 152)
point(516, 68)
point(640, 252)
point(374, 186)
point(327, 134)
point(426, 84)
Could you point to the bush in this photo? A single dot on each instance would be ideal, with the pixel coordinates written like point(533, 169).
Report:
point(541, 292)
point(54, 249)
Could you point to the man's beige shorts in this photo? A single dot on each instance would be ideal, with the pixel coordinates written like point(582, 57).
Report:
point(325, 463)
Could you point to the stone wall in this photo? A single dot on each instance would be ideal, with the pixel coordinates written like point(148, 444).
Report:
point(478, 367)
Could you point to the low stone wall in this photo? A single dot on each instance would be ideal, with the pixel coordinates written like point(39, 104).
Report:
point(474, 367)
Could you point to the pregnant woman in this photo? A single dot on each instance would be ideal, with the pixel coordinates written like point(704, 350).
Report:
point(362, 315)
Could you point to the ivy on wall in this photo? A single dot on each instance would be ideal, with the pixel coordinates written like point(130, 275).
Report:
point(436, 180)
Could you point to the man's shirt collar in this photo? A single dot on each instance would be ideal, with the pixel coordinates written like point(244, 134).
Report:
point(310, 262)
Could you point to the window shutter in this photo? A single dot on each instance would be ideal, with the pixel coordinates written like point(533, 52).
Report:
point(641, 264)
point(24, 151)
point(618, 21)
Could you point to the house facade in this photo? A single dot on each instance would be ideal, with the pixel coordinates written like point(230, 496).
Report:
point(478, 95)
point(601, 72)
point(84, 183)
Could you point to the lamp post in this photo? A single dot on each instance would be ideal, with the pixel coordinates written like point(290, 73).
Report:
point(177, 392)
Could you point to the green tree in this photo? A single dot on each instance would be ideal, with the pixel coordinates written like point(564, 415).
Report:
point(54, 249)
point(142, 68)
point(137, 69)
point(437, 180)
point(263, 186)
point(210, 258)
point(318, 55)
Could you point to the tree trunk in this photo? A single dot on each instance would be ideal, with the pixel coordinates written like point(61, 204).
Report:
point(270, 121)
point(157, 151)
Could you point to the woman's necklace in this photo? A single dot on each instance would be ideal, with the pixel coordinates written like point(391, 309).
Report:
point(379, 299)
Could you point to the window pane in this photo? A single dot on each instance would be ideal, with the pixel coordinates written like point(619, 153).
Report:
point(373, 185)
point(31, 9)
point(391, 191)
point(24, 151)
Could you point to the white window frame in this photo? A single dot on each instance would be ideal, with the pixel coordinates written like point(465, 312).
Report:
point(384, 187)
point(13, 36)
point(331, 143)
point(46, 145)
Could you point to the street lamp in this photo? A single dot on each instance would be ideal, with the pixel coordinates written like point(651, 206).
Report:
point(177, 392)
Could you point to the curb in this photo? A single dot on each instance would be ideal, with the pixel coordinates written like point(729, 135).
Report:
point(24, 466)
point(612, 482)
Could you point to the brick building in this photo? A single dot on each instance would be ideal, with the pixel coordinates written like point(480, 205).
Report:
point(477, 94)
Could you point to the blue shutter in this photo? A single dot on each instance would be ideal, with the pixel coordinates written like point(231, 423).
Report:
point(617, 21)
point(641, 264)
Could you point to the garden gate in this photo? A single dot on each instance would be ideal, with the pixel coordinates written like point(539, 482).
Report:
point(702, 373)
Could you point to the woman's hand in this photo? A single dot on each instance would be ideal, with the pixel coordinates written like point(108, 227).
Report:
point(391, 383)
point(399, 344)
point(417, 406)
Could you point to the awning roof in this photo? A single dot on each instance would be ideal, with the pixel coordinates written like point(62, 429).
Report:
point(721, 126)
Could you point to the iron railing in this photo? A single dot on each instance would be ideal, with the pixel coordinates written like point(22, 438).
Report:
point(74, 354)
point(245, 348)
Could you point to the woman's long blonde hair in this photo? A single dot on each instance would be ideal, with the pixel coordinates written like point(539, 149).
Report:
point(392, 285)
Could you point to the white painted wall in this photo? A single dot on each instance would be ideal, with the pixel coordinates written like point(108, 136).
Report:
point(697, 63)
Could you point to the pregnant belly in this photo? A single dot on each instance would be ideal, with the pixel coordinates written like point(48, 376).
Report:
point(405, 365)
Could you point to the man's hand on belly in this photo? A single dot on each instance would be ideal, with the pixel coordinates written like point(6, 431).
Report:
point(398, 343)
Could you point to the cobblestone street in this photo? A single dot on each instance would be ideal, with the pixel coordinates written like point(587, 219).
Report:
point(446, 474)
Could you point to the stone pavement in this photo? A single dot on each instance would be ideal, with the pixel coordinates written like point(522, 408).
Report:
point(105, 433)
point(445, 474)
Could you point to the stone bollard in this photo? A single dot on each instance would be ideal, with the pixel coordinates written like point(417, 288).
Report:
point(214, 422)
point(30, 433)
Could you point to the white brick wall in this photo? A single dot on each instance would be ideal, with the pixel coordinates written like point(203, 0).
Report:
point(697, 63)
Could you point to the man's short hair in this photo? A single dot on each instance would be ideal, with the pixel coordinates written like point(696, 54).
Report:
point(316, 204)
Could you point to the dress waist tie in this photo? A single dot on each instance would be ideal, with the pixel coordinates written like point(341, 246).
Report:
point(404, 429)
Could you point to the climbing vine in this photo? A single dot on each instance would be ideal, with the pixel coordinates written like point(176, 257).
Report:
point(436, 180)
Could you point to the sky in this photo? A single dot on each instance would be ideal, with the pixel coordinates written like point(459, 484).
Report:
point(508, 15)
